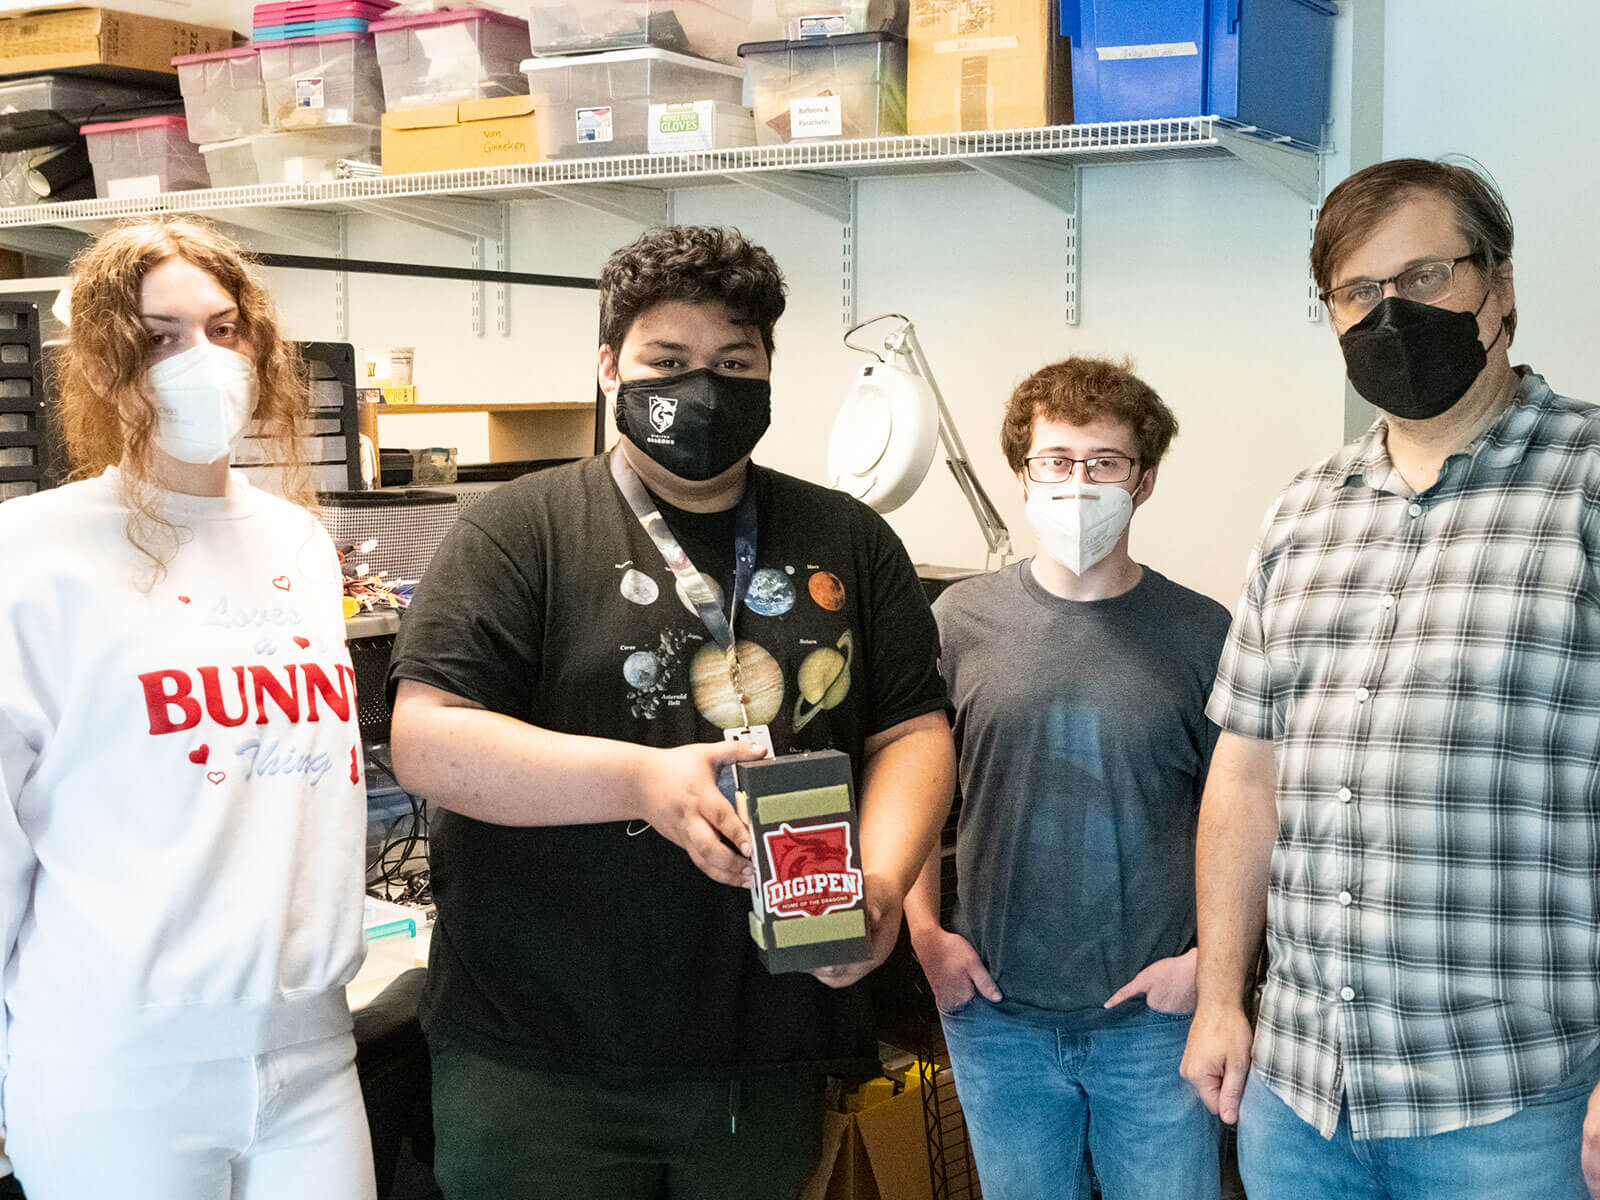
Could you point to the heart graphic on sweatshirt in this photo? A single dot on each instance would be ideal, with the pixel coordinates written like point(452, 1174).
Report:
point(200, 755)
point(302, 642)
point(183, 599)
point(216, 776)
point(281, 583)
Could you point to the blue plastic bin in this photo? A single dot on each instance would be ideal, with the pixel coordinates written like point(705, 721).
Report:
point(1261, 62)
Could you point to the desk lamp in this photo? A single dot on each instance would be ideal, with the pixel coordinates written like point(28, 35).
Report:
point(884, 436)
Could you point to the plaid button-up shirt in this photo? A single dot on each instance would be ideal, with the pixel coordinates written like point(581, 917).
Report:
point(1428, 667)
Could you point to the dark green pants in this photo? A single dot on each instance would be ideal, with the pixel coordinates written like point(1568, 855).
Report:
point(513, 1133)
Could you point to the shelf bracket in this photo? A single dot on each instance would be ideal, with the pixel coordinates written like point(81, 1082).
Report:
point(341, 282)
point(1314, 296)
point(1055, 185)
point(825, 194)
point(1070, 273)
point(641, 205)
point(315, 230)
point(1299, 170)
point(501, 247)
point(462, 217)
point(848, 238)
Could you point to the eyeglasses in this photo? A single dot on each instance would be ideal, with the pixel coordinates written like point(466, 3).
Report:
point(1426, 283)
point(1058, 468)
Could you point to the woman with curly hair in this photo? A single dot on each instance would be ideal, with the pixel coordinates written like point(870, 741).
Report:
point(181, 802)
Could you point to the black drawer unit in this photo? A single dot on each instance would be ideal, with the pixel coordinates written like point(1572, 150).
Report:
point(29, 458)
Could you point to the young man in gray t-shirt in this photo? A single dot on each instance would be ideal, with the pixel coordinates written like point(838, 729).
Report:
point(1079, 679)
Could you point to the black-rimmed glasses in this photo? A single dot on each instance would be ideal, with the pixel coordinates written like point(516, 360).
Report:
point(1058, 468)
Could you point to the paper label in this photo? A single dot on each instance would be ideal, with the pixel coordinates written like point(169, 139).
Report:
point(975, 45)
point(816, 116)
point(1151, 50)
point(697, 125)
point(134, 185)
point(308, 92)
point(821, 25)
point(594, 125)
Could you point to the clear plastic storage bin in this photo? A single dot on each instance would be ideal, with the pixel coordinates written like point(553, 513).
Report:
point(312, 155)
point(222, 94)
point(850, 86)
point(332, 80)
point(824, 18)
point(231, 163)
point(705, 28)
point(442, 57)
point(143, 157)
point(596, 104)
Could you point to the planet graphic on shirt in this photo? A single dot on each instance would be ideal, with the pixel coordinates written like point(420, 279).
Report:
point(713, 690)
point(705, 581)
point(639, 587)
point(823, 680)
point(771, 593)
point(641, 669)
point(827, 591)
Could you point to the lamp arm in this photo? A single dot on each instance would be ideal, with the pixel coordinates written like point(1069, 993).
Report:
point(995, 533)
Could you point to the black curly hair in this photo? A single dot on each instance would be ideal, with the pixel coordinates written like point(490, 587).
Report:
point(700, 264)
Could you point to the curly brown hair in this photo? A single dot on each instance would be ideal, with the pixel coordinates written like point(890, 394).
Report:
point(700, 264)
point(107, 413)
point(1080, 390)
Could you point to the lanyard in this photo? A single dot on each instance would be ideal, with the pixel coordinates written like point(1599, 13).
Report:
point(693, 584)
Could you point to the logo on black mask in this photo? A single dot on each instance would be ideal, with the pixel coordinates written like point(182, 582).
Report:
point(662, 411)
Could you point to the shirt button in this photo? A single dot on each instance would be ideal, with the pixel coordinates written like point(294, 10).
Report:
point(1348, 993)
point(1344, 899)
point(1415, 510)
point(1362, 695)
point(1388, 601)
point(1346, 795)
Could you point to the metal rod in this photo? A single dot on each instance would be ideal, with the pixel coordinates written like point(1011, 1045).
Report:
point(361, 266)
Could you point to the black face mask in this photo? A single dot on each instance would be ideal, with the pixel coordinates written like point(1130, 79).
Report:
point(1414, 360)
point(697, 424)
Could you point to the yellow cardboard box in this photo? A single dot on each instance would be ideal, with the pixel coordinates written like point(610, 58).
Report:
point(987, 64)
point(876, 1151)
point(453, 137)
point(101, 39)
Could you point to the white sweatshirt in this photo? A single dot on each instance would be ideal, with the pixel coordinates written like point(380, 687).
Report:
point(182, 810)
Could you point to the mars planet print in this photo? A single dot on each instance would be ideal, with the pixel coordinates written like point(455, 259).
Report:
point(713, 690)
point(771, 593)
point(827, 591)
point(639, 588)
point(823, 680)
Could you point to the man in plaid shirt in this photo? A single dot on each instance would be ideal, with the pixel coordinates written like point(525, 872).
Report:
point(1406, 793)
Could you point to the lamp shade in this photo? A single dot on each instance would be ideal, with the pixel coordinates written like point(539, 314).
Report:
point(884, 436)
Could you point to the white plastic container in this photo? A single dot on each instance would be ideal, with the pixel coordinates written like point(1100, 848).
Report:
point(328, 80)
point(231, 163)
point(442, 57)
point(850, 86)
point(598, 104)
point(222, 95)
point(704, 28)
point(312, 155)
point(143, 157)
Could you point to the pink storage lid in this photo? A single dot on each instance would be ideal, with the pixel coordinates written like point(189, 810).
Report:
point(449, 16)
point(315, 10)
point(313, 41)
point(171, 121)
point(184, 60)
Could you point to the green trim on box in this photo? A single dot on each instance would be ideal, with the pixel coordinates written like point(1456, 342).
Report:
point(797, 806)
point(830, 927)
point(757, 932)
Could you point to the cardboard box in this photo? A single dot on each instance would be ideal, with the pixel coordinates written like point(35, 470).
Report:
point(500, 131)
point(987, 64)
point(877, 1153)
point(100, 41)
point(806, 909)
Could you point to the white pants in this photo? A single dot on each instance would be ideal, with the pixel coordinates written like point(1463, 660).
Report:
point(288, 1125)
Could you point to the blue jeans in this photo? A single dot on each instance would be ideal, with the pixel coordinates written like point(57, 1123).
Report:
point(1530, 1155)
point(1040, 1102)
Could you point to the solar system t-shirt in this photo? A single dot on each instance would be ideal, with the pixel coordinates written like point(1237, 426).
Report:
point(590, 947)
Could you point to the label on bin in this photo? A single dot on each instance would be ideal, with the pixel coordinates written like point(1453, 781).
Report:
point(1150, 50)
point(133, 185)
point(821, 25)
point(816, 116)
point(594, 125)
point(308, 92)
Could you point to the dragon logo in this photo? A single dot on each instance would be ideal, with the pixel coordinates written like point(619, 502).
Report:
point(811, 871)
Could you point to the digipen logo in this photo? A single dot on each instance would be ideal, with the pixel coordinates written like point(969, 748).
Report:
point(663, 411)
point(811, 871)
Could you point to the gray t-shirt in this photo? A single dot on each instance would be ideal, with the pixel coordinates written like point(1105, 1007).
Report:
point(1084, 748)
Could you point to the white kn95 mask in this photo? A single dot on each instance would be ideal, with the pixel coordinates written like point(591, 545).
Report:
point(204, 397)
point(1079, 523)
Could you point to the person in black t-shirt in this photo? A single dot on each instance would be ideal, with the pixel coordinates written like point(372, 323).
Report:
point(599, 1021)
